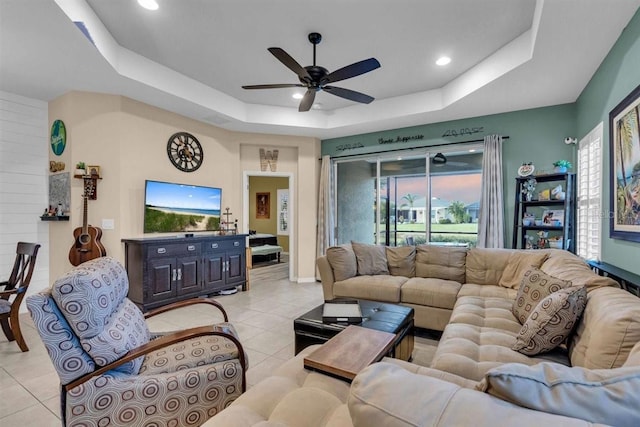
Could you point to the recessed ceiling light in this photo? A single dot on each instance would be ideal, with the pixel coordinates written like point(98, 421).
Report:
point(149, 4)
point(443, 60)
point(297, 96)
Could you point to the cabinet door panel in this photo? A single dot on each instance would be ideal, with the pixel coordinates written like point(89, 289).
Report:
point(189, 275)
point(213, 270)
point(161, 284)
point(237, 267)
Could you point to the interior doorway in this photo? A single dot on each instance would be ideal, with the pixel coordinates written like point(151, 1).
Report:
point(268, 209)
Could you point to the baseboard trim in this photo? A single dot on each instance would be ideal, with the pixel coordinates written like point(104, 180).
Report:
point(306, 279)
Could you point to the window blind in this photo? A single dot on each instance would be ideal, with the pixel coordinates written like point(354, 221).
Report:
point(589, 198)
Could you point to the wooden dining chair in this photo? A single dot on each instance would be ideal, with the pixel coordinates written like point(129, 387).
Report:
point(12, 292)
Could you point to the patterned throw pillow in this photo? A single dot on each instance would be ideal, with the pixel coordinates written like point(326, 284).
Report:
point(552, 320)
point(534, 287)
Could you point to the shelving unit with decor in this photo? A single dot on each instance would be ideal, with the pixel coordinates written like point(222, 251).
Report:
point(558, 225)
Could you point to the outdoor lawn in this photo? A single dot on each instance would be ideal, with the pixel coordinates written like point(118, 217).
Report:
point(462, 233)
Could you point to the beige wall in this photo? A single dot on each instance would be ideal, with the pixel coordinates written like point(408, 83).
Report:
point(271, 185)
point(128, 140)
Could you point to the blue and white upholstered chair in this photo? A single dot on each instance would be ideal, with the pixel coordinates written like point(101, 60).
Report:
point(114, 371)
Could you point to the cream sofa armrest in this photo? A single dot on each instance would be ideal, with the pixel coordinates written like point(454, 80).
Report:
point(433, 373)
point(384, 394)
point(326, 275)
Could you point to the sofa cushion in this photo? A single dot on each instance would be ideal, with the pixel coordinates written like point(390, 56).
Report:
point(430, 292)
point(343, 261)
point(485, 266)
point(441, 262)
point(634, 356)
point(479, 337)
point(487, 291)
point(607, 331)
point(519, 262)
point(607, 396)
point(401, 260)
point(289, 396)
point(371, 259)
point(551, 321)
point(384, 394)
point(567, 266)
point(378, 288)
point(536, 286)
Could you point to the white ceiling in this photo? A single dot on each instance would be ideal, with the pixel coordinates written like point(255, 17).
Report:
point(193, 56)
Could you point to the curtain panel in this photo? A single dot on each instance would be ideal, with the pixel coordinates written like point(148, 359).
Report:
point(491, 215)
point(326, 221)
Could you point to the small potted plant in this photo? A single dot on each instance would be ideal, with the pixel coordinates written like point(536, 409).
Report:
point(561, 166)
point(81, 169)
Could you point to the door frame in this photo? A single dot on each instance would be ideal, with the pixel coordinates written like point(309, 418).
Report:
point(292, 210)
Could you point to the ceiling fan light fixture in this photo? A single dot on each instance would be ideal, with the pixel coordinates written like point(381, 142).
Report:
point(439, 159)
point(149, 4)
point(443, 60)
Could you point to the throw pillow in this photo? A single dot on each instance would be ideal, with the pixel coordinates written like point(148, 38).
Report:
point(371, 259)
point(605, 396)
point(343, 262)
point(534, 287)
point(401, 260)
point(519, 262)
point(551, 322)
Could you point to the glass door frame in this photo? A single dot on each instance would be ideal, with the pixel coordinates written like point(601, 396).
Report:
point(378, 158)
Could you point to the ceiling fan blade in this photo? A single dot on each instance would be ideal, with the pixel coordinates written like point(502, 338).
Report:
point(276, 86)
point(307, 100)
point(352, 70)
point(290, 63)
point(349, 94)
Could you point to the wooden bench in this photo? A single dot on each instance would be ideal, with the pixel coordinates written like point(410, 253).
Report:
point(266, 250)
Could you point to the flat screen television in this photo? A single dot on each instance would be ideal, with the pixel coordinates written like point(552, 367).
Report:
point(171, 207)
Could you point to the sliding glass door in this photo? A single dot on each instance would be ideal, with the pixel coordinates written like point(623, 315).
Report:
point(410, 198)
point(403, 200)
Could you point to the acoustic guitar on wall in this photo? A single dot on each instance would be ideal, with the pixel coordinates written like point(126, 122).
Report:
point(87, 238)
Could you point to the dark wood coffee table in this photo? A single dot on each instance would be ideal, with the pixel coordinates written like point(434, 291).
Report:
point(386, 317)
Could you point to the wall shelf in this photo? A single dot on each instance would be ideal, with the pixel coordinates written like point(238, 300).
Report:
point(564, 233)
point(55, 218)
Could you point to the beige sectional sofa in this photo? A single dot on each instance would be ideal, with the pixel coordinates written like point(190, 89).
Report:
point(476, 377)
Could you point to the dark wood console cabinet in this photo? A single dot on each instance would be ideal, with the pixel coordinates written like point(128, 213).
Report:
point(165, 270)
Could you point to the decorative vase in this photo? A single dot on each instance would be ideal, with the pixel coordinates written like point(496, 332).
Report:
point(560, 169)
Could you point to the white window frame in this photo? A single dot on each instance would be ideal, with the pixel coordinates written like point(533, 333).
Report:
point(589, 212)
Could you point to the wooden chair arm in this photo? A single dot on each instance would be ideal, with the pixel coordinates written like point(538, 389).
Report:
point(165, 341)
point(180, 304)
point(7, 294)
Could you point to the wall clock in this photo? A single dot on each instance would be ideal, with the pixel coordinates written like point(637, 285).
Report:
point(58, 137)
point(185, 151)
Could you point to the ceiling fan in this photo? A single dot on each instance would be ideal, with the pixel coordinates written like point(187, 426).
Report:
point(440, 159)
point(316, 78)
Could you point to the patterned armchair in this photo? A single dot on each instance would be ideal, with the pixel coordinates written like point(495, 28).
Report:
point(114, 371)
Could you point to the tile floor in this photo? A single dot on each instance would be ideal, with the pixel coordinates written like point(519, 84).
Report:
point(262, 316)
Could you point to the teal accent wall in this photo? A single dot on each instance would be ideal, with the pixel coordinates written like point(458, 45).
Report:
point(535, 135)
point(616, 77)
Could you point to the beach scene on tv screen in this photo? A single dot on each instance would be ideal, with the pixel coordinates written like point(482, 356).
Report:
point(173, 207)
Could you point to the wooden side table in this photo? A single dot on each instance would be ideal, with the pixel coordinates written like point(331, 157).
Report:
point(350, 351)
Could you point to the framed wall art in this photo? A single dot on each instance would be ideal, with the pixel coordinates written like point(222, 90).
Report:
point(624, 148)
point(263, 205)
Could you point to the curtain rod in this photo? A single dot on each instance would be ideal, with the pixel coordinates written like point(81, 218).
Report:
point(416, 147)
